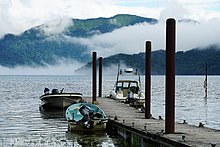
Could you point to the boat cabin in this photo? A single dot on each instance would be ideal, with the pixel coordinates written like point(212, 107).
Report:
point(127, 86)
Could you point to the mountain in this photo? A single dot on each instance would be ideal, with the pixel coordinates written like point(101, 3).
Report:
point(55, 41)
point(48, 43)
point(190, 62)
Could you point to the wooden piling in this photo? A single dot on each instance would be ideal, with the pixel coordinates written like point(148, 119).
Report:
point(94, 56)
point(100, 77)
point(128, 123)
point(148, 80)
point(170, 76)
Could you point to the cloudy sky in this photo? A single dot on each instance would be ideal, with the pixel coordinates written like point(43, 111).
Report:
point(20, 15)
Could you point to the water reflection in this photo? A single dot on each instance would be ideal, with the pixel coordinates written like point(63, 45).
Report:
point(23, 124)
point(206, 110)
point(89, 139)
point(52, 113)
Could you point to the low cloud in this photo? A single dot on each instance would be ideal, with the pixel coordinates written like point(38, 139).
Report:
point(197, 35)
point(172, 8)
point(56, 26)
point(63, 68)
point(124, 40)
point(107, 70)
point(132, 39)
point(20, 15)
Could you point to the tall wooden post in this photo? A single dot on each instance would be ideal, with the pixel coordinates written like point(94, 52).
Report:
point(170, 76)
point(100, 77)
point(94, 56)
point(148, 80)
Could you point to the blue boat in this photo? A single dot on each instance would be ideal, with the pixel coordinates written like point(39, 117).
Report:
point(85, 117)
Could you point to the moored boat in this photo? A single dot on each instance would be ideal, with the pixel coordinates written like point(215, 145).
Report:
point(128, 88)
point(60, 100)
point(85, 117)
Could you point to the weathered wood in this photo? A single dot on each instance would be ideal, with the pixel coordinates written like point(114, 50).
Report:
point(148, 80)
point(185, 135)
point(170, 76)
point(94, 82)
point(100, 77)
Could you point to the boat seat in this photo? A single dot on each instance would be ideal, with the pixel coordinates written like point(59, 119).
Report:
point(125, 92)
point(134, 89)
point(118, 88)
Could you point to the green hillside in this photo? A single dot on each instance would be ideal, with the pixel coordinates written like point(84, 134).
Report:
point(191, 62)
point(34, 48)
point(85, 28)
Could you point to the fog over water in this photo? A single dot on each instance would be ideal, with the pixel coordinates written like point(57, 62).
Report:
point(61, 69)
point(130, 40)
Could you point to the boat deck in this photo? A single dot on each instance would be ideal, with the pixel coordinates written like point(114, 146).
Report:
point(129, 117)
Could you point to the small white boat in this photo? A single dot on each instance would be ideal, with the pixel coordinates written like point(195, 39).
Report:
point(57, 99)
point(128, 88)
point(85, 117)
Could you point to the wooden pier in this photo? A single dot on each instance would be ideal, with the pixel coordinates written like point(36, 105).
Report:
point(129, 123)
point(135, 128)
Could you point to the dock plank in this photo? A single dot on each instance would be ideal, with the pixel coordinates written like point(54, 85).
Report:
point(129, 116)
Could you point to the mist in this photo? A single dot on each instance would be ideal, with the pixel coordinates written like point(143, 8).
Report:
point(131, 39)
point(128, 40)
point(63, 68)
point(107, 70)
point(56, 26)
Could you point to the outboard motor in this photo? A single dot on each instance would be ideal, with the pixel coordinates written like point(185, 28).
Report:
point(54, 91)
point(87, 116)
point(130, 97)
point(46, 90)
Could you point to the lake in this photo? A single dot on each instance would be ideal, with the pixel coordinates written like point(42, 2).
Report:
point(22, 123)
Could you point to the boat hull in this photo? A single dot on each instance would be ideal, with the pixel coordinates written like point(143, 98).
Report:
point(136, 102)
point(60, 100)
point(99, 126)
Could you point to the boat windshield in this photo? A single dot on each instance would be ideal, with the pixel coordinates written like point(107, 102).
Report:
point(125, 84)
point(131, 85)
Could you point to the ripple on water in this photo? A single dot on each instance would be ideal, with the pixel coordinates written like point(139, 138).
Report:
point(22, 124)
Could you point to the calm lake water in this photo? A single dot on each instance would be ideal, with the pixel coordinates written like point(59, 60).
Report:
point(22, 123)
